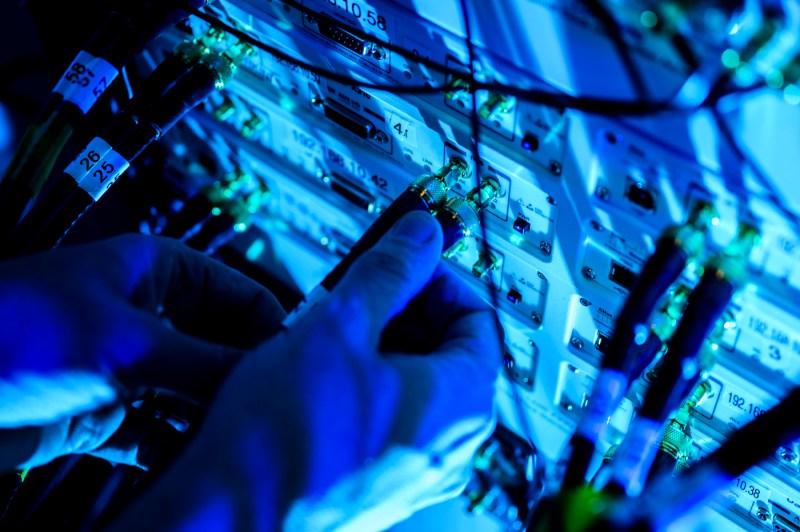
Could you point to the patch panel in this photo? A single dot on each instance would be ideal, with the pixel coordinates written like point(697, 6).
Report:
point(584, 197)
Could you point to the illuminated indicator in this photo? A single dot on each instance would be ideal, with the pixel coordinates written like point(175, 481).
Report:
point(730, 58)
point(521, 225)
point(514, 296)
point(648, 19)
point(530, 142)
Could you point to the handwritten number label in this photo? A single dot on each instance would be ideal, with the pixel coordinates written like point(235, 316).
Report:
point(85, 80)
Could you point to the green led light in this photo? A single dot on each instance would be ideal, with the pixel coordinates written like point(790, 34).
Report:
point(774, 79)
point(241, 227)
point(791, 94)
point(648, 19)
point(216, 211)
point(516, 239)
point(730, 58)
point(255, 250)
point(744, 75)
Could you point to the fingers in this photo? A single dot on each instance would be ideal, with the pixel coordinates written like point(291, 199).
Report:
point(146, 352)
point(382, 282)
point(201, 296)
point(447, 315)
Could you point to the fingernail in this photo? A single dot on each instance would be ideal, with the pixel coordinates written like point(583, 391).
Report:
point(416, 228)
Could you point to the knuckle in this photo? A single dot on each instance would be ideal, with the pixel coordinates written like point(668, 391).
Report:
point(380, 263)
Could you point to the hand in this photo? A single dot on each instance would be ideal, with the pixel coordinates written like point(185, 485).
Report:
point(327, 425)
point(83, 327)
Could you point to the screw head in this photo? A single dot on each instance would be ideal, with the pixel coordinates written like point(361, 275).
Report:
point(554, 167)
point(585, 302)
point(545, 247)
point(536, 317)
point(601, 192)
point(576, 342)
point(787, 455)
point(589, 273)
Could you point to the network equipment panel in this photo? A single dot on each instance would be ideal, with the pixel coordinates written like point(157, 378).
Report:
point(351, 100)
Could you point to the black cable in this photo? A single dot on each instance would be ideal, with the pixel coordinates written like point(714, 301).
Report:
point(614, 33)
point(666, 499)
point(631, 346)
point(324, 73)
point(128, 136)
point(588, 104)
point(108, 50)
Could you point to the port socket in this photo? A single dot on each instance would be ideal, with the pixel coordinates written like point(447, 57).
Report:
point(640, 195)
point(530, 142)
point(622, 276)
point(486, 262)
point(351, 192)
point(521, 225)
point(601, 342)
point(349, 120)
point(514, 296)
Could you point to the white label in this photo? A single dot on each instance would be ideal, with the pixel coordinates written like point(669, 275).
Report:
point(86, 78)
point(403, 129)
point(87, 159)
point(97, 167)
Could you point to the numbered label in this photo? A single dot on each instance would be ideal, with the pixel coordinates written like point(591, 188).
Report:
point(403, 129)
point(87, 159)
point(97, 167)
point(85, 80)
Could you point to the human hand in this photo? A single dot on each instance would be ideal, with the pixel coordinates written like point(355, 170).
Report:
point(341, 421)
point(86, 326)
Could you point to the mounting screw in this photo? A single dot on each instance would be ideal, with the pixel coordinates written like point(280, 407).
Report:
point(554, 167)
point(601, 192)
point(763, 514)
point(380, 136)
point(545, 247)
point(787, 455)
point(576, 342)
point(589, 273)
point(536, 317)
point(311, 19)
point(541, 276)
point(585, 302)
point(596, 226)
point(551, 200)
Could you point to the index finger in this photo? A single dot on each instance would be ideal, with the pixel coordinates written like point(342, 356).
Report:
point(447, 315)
point(200, 296)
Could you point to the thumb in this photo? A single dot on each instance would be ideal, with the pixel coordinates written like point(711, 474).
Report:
point(381, 283)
